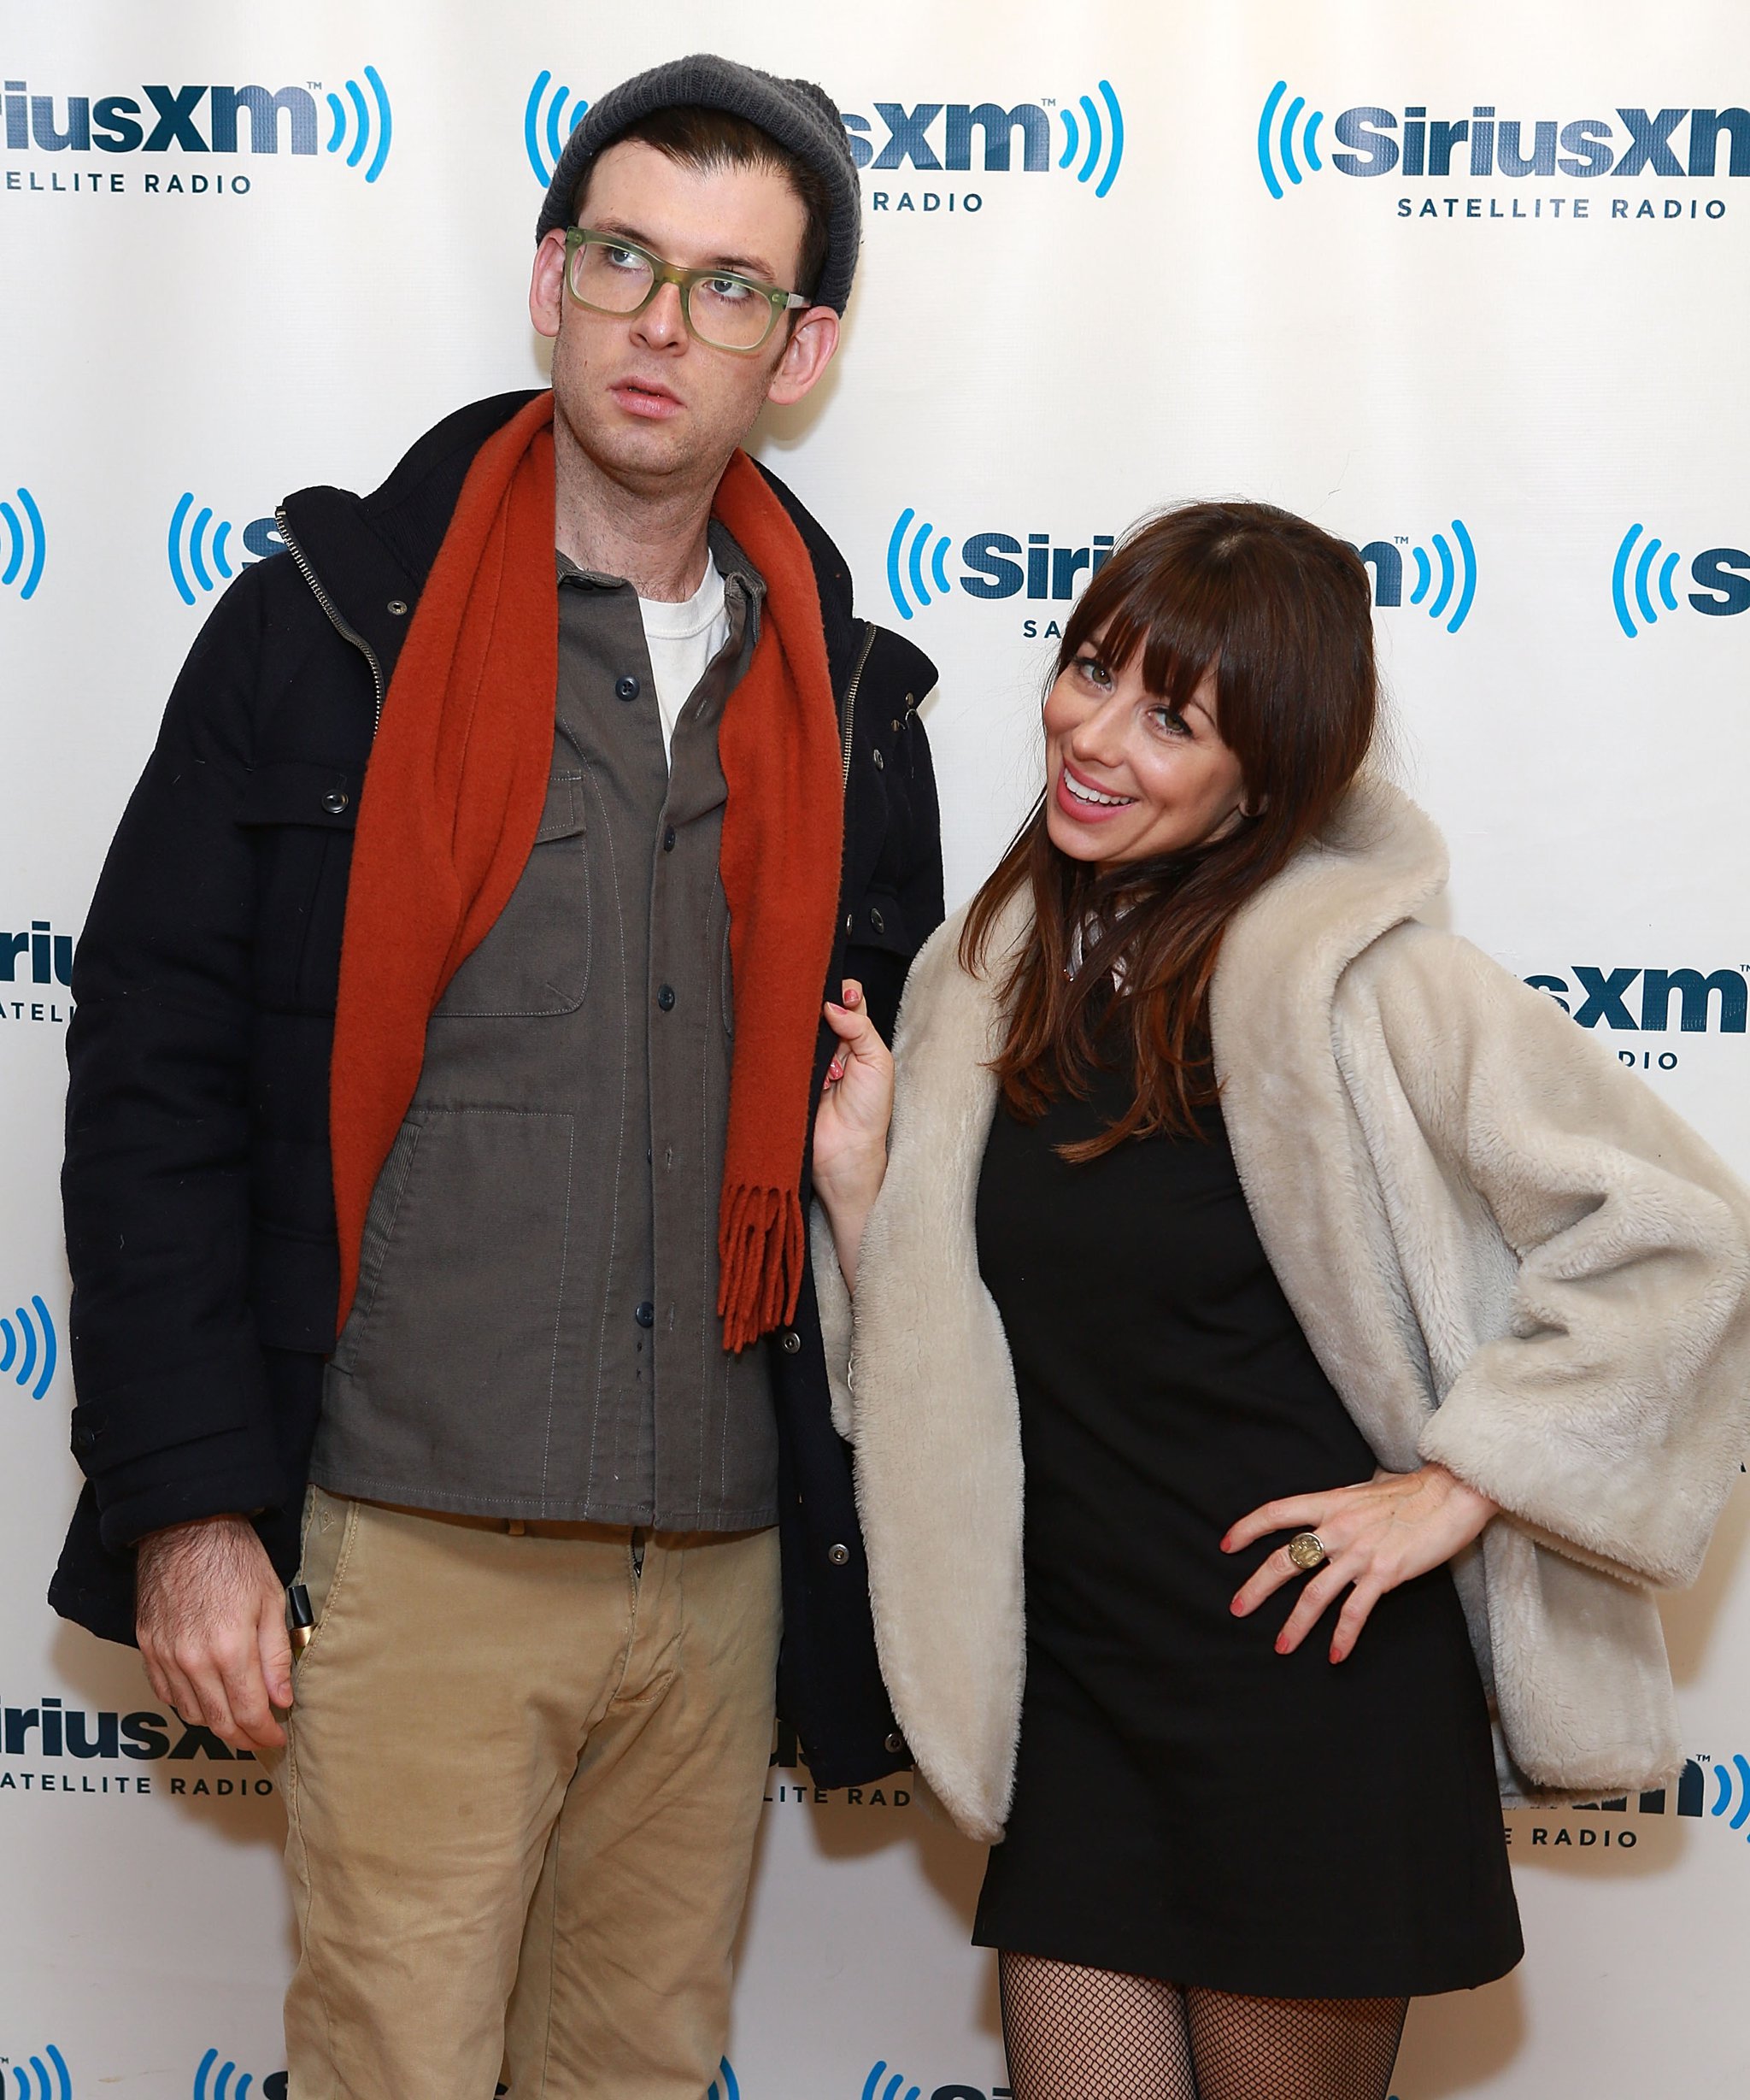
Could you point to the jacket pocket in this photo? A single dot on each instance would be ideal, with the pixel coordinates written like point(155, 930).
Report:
point(462, 1268)
point(535, 961)
point(301, 818)
point(879, 922)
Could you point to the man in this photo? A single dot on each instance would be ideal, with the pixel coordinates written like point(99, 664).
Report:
point(455, 983)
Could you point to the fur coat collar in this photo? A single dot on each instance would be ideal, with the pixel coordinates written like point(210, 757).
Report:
point(1507, 1253)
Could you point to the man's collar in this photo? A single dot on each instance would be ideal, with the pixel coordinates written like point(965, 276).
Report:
point(732, 565)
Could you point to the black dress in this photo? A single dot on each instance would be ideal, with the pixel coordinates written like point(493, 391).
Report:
point(1190, 1805)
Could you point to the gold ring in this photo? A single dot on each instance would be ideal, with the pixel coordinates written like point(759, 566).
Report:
point(1306, 1551)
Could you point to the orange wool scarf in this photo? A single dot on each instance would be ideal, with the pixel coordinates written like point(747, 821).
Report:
point(453, 800)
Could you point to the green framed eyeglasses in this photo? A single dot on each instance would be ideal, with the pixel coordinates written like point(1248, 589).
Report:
point(610, 274)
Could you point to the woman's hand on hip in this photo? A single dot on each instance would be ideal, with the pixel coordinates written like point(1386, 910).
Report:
point(850, 1125)
point(1386, 1530)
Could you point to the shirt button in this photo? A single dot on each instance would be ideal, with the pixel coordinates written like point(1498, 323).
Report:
point(893, 1741)
point(876, 920)
point(664, 999)
point(668, 840)
point(838, 1555)
point(627, 688)
point(646, 1315)
point(791, 1342)
point(335, 800)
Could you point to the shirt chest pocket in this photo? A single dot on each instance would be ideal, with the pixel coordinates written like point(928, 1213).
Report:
point(535, 960)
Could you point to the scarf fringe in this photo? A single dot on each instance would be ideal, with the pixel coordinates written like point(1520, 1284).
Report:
point(761, 1247)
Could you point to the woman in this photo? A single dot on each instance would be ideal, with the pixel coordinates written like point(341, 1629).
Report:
point(1370, 1339)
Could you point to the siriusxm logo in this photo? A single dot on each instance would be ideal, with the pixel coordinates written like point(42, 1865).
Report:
point(47, 2077)
point(189, 549)
point(28, 1348)
point(1721, 573)
point(882, 2084)
point(1731, 1803)
point(994, 565)
point(1370, 139)
point(47, 955)
point(724, 2085)
point(1596, 995)
point(546, 127)
point(940, 137)
point(213, 2081)
point(26, 545)
point(1453, 561)
point(50, 1733)
point(159, 117)
point(38, 955)
point(932, 135)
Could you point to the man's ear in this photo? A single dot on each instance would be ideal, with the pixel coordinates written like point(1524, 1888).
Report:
point(547, 284)
point(813, 340)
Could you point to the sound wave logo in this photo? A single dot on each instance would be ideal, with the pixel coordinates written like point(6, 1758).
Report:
point(1642, 601)
point(545, 125)
point(1451, 562)
point(26, 544)
point(894, 2089)
point(1277, 127)
point(1731, 1782)
point(30, 1344)
point(1105, 141)
point(905, 564)
point(353, 118)
point(1458, 574)
point(209, 2085)
point(37, 2083)
point(724, 2086)
point(189, 548)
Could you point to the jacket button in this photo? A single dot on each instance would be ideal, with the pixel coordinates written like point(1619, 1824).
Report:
point(880, 762)
point(894, 1741)
point(664, 999)
point(668, 840)
point(876, 920)
point(791, 1342)
point(627, 688)
point(838, 1555)
point(398, 606)
point(646, 1315)
point(336, 800)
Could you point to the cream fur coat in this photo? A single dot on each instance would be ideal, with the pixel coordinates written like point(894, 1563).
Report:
point(1508, 1255)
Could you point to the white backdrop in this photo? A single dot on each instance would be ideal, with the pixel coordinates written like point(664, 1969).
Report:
point(1488, 361)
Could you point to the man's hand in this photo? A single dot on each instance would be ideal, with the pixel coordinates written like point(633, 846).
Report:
point(209, 1612)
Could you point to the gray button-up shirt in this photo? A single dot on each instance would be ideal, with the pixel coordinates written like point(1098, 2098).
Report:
point(536, 1332)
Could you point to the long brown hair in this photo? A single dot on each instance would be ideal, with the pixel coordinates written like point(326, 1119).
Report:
point(1282, 613)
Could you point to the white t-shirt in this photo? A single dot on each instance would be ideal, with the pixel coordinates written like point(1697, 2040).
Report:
point(682, 640)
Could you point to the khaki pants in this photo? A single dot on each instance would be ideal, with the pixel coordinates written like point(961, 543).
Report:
point(523, 1782)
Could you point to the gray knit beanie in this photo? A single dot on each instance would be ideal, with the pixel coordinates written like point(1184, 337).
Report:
point(797, 114)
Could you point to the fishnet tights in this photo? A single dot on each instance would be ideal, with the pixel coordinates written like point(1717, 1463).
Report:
point(1075, 2034)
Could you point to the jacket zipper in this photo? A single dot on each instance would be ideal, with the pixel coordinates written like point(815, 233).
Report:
point(339, 626)
point(850, 695)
